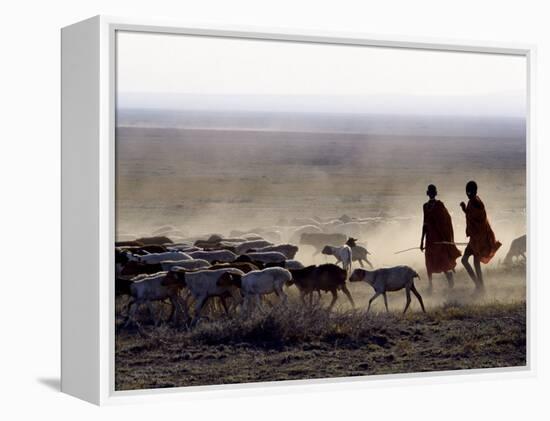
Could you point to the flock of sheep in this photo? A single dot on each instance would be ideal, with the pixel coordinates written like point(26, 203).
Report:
point(241, 270)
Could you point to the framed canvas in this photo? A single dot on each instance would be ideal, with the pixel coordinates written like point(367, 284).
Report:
point(247, 208)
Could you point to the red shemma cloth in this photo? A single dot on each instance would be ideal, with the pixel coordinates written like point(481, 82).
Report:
point(483, 243)
point(439, 227)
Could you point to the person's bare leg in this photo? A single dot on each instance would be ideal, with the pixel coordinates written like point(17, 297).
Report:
point(430, 285)
point(477, 265)
point(450, 279)
point(468, 267)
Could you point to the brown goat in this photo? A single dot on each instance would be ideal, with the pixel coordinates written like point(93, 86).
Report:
point(327, 277)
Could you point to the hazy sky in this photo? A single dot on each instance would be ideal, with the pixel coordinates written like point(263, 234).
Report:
point(177, 71)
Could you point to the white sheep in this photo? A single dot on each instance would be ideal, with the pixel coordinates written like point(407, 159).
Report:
point(252, 244)
point(257, 283)
point(389, 279)
point(153, 258)
point(183, 247)
point(289, 250)
point(358, 253)
point(211, 255)
point(203, 284)
point(343, 255)
point(267, 257)
point(148, 288)
point(192, 264)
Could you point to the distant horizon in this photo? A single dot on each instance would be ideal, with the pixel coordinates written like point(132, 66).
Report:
point(381, 104)
point(305, 121)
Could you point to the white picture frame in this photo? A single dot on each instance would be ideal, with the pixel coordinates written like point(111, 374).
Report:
point(88, 136)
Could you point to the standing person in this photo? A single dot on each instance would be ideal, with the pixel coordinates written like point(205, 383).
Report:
point(483, 244)
point(438, 228)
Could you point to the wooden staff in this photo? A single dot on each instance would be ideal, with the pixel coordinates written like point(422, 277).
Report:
point(438, 242)
point(403, 251)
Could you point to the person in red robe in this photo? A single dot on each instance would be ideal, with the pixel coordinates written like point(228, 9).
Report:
point(482, 244)
point(439, 250)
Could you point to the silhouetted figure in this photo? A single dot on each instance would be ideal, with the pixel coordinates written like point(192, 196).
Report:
point(438, 228)
point(483, 244)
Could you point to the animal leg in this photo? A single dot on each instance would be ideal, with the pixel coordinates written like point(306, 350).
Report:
point(302, 297)
point(237, 300)
point(182, 307)
point(408, 292)
point(376, 294)
point(417, 294)
point(386, 301)
point(369, 263)
point(245, 305)
point(334, 298)
point(345, 290)
point(361, 263)
point(224, 304)
point(281, 294)
point(264, 299)
point(131, 312)
point(156, 320)
point(175, 310)
point(199, 304)
point(258, 302)
point(127, 306)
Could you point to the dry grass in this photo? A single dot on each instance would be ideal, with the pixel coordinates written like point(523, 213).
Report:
point(297, 343)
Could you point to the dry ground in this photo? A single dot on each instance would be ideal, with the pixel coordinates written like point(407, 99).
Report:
point(458, 332)
point(300, 344)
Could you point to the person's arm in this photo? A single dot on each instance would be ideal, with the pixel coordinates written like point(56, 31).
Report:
point(423, 229)
point(422, 238)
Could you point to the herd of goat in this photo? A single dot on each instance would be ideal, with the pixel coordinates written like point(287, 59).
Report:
point(241, 271)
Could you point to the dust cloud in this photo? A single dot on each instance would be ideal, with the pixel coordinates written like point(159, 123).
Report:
point(196, 181)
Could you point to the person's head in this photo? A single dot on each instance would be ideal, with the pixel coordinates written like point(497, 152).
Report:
point(471, 189)
point(432, 191)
